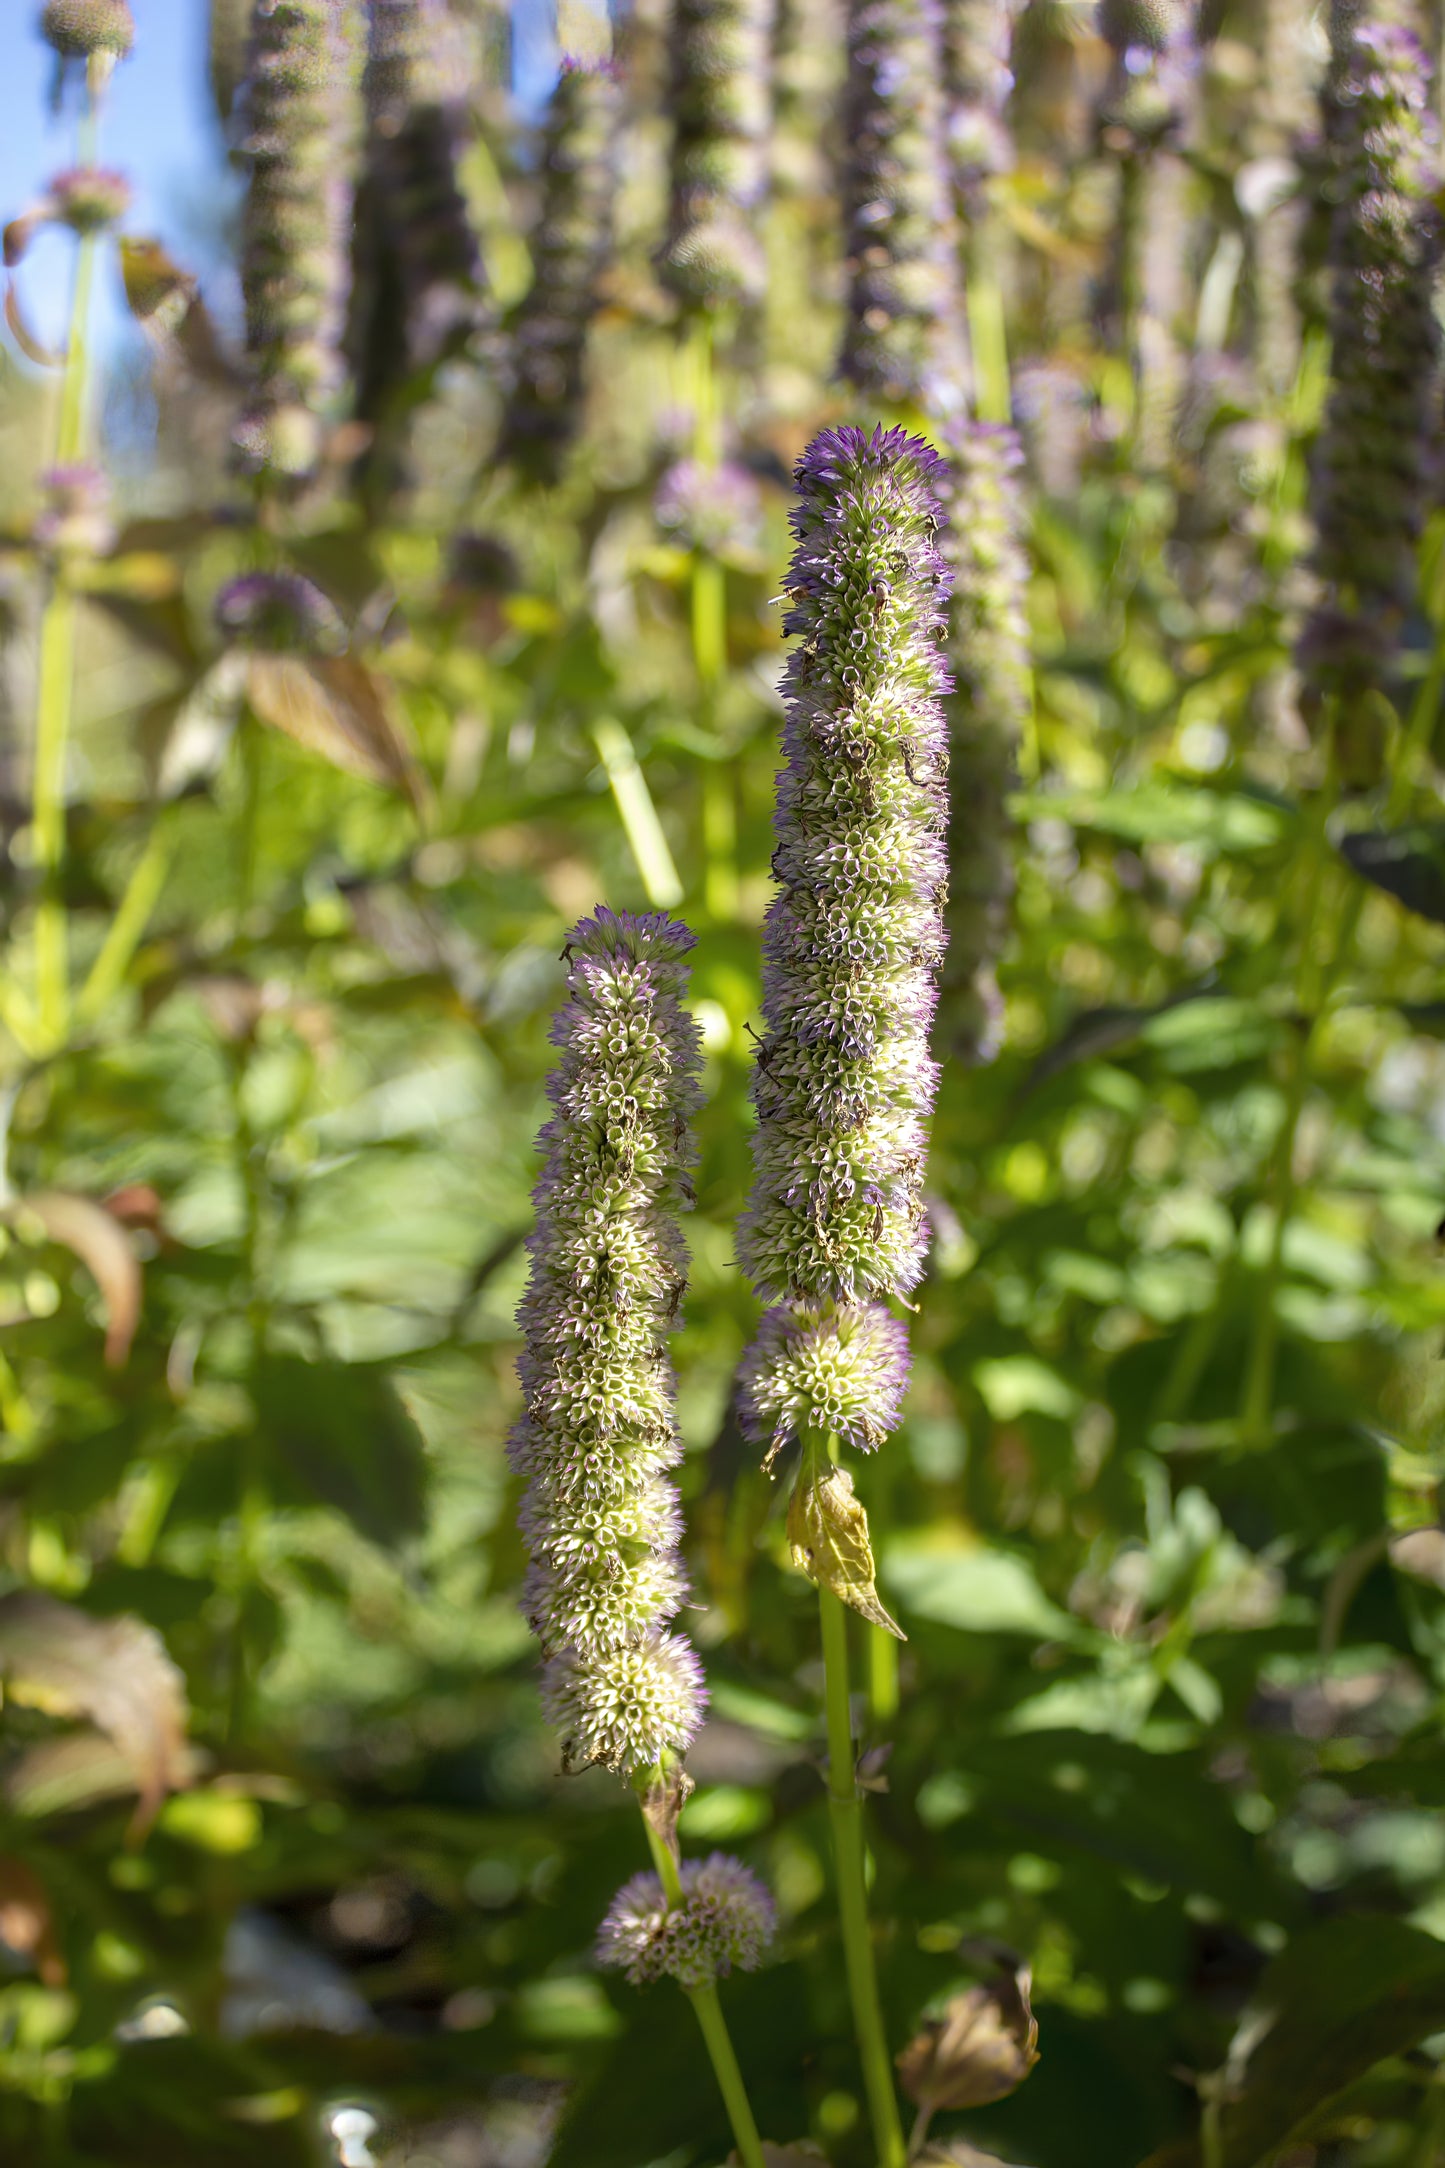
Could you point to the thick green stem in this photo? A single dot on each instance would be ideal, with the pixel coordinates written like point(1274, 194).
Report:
point(845, 1811)
point(987, 331)
point(716, 2037)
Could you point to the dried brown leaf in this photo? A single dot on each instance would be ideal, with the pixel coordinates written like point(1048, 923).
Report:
point(828, 1533)
point(27, 1925)
point(663, 1798)
point(23, 336)
point(113, 1671)
point(97, 1238)
point(334, 706)
point(980, 2050)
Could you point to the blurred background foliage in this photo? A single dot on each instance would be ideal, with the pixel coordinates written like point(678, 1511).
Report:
point(287, 1869)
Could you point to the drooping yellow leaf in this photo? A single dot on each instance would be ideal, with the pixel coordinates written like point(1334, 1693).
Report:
point(828, 1533)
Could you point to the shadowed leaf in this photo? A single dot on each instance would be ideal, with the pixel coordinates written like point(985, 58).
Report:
point(1408, 863)
point(981, 2048)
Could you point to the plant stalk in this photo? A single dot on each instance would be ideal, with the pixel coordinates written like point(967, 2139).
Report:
point(845, 1811)
point(712, 2023)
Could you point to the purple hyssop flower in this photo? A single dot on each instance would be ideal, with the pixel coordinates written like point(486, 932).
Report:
point(854, 942)
point(598, 1431)
point(726, 1918)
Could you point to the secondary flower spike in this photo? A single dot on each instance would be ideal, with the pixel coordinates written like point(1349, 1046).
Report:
point(570, 249)
point(301, 143)
point(718, 101)
point(725, 1918)
point(598, 1431)
point(854, 941)
point(1371, 466)
point(988, 648)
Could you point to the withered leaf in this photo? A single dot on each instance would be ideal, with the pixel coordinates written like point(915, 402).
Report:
point(828, 1533)
point(100, 1242)
point(27, 1925)
point(115, 1671)
point(981, 2049)
point(666, 1794)
point(334, 706)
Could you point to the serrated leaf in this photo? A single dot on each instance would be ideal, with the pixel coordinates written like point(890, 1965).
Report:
point(828, 1535)
point(115, 1671)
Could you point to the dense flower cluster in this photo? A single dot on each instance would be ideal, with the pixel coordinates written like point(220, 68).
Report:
point(278, 612)
point(718, 101)
point(77, 29)
point(302, 115)
point(854, 938)
point(976, 38)
point(415, 115)
point(1370, 472)
point(988, 649)
point(718, 509)
point(608, 1270)
point(726, 1918)
point(570, 249)
point(902, 330)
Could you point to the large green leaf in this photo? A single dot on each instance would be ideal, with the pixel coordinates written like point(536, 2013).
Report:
point(340, 1433)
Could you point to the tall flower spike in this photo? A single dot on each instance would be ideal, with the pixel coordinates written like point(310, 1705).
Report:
point(415, 94)
point(988, 648)
point(302, 119)
point(570, 250)
point(719, 102)
point(901, 339)
point(976, 38)
point(608, 1270)
point(854, 940)
point(1370, 470)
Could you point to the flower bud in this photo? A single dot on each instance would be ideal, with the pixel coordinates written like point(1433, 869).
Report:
point(79, 29)
point(570, 250)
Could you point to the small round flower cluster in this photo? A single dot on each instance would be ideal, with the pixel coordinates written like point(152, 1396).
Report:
point(598, 1432)
point(1371, 466)
point(87, 199)
point(1156, 61)
point(570, 248)
point(988, 647)
point(302, 115)
point(718, 99)
point(415, 119)
point(854, 940)
point(279, 613)
point(78, 29)
point(75, 519)
point(977, 36)
point(717, 509)
point(726, 1918)
point(901, 338)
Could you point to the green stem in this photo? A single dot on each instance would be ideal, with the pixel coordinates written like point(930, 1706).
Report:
point(845, 1811)
point(713, 2025)
point(987, 329)
point(56, 679)
point(142, 893)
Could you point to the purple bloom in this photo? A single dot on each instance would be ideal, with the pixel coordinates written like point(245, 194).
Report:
point(75, 518)
point(988, 646)
point(901, 339)
point(718, 102)
point(278, 612)
point(726, 1918)
point(570, 251)
point(854, 938)
point(598, 1428)
point(716, 509)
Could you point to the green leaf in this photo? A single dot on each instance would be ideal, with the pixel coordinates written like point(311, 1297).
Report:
point(980, 1591)
point(1408, 863)
point(341, 1429)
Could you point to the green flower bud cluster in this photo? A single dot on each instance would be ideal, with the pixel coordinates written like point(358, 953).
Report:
point(598, 1430)
point(902, 307)
point(853, 943)
point(79, 29)
point(988, 650)
point(718, 100)
point(570, 250)
point(300, 144)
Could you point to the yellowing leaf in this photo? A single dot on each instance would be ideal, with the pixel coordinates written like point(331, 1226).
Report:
point(115, 1671)
point(334, 706)
point(104, 1248)
point(828, 1533)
